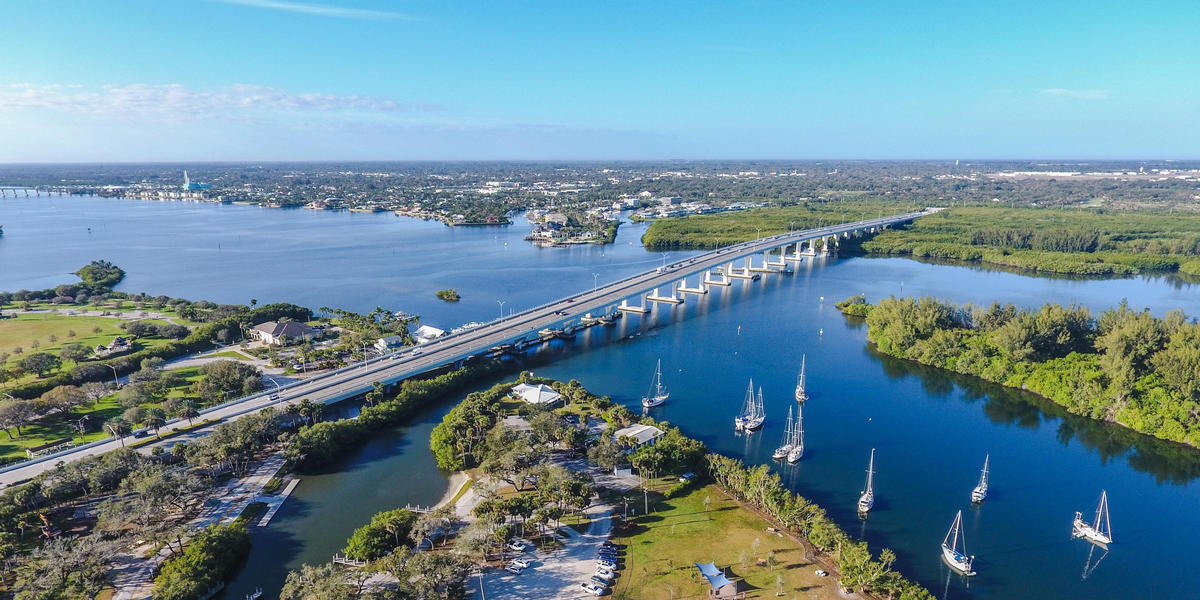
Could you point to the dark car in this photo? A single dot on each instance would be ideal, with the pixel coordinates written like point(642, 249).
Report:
point(141, 434)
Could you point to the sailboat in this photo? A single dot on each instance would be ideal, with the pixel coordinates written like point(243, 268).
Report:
point(657, 394)
point(950, 548)
point(752, 415)
point(867, 499)
point(980, 492)
point(801, 395)
point(785, 445)
point(1099, 531)
point(797, 451)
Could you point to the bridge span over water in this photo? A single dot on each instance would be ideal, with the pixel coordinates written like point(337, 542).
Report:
point(658, 289)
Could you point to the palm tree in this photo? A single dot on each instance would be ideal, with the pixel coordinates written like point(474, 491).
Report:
point(118, 427)
point(189, 412)
point(155, 418)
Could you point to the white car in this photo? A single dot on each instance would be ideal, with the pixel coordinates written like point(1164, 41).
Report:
point(822, 573)
point(515, 546)
point(520, 562)
point(512, 568)
point(592, 589)
point(606, 564)
point(603, 573)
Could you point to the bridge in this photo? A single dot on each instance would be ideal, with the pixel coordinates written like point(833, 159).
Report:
point(667, 286)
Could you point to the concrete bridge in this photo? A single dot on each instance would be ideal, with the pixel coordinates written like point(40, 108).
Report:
point(657, 289)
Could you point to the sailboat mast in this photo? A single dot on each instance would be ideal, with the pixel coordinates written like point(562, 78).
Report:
point(1102, 515)
point(871, 473)
point(799, 427)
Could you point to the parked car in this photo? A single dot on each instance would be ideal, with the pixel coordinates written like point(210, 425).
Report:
point(608, 544)
point(515, 546)
point(605, 573)
point(607, 564)
point(686, 477)
point(592, 589)
point(606, 553)
point(512, 568)
point(599, 581)
point(520, 562)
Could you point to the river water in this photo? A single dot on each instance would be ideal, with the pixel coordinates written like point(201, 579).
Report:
point(930, 430)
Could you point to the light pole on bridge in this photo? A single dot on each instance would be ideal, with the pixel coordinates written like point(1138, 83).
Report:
point(501, 303)
point(595, 280)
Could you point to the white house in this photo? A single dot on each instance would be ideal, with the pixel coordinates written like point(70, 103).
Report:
point(426, 333)
point(640, 434)
point(390, 342)
point(536, 394)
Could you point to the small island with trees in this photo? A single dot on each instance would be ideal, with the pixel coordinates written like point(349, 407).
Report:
point(450, 295)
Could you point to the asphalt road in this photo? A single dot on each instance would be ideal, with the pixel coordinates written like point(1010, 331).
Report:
point(356, 380)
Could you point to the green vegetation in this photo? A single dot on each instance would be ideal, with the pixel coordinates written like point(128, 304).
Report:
point(762, 489)
point(387, 531)
point(717, 230)
point(100, 275)
point(450, 295)
point(706, 525)
point(209, 559)
point(855, 306)
point(1125, 367)
point(1082, 242)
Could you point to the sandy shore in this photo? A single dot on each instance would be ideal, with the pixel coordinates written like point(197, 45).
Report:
point(457, 480)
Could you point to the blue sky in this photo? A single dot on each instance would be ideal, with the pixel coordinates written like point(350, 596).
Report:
point(206, 80)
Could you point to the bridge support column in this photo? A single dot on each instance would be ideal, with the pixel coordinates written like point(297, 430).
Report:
point(672, 299)
point(701, 288)
point(627, 307)
point(782, 262)
point(709, 279)
point(797, 257)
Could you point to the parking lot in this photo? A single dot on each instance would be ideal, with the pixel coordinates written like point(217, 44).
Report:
point(554, 574)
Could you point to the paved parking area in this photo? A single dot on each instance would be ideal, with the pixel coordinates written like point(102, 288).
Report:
point(555, 574)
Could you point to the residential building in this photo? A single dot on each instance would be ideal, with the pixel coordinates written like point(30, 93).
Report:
point(283, 333)
point(639, 435)
point(536, 394)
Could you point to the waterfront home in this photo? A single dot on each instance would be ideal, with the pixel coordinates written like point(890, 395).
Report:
point(536, 394)
point(283, 333)
point(425, 333)
point(638, 435)
point(390, 342)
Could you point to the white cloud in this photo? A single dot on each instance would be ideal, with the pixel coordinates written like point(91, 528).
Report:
point(178, 102)
point(1076, 94)
point(320, 10)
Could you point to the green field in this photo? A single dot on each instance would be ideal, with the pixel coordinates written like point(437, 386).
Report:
point(112, 306)
point(660, 550)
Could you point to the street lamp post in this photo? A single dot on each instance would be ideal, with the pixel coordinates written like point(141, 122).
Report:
point(116, 381)
point(501, 303)
point(595, 282)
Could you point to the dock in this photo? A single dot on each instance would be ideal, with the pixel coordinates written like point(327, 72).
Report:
point(276, 501)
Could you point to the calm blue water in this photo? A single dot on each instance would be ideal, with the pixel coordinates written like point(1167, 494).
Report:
point(930, 430)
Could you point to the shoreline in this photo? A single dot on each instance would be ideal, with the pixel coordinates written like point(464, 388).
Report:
point(455, 483)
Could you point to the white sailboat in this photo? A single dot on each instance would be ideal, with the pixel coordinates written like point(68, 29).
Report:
point(801, 395)
point(950, 548)
point(739, 422)
point(657, 394)
point(980, 492)
point(867, 500)
point(797, 451)
point(1099, 531)
point(757, 415)
point(785, 445)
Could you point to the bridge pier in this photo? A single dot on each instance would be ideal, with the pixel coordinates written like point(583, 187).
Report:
point(672, 299)
point(627, 307)
point(743, 273)
point(797, 257)
point(709, 280)
point(699, 289)
point(782, 262)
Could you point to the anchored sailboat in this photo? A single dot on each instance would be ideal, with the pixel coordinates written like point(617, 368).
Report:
point(950, 548)
point(785, 445)
point(657, 394)
point(752, 415)
point(867, 500)
point(1099, 531)
point(980, 492)
point(801, 395)
point(797, 451)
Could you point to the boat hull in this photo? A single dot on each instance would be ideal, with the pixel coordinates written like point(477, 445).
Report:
point(795, 455)
point(865, 503)
point(801, 396)
point(957, 561)
point(978, 495)
point(649, 402)
point(782, 452)
point(1089, 533)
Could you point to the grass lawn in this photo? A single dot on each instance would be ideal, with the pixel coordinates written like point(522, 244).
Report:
point(124, 306)
point(661, 547)
point(22, 331)
point(232, 354)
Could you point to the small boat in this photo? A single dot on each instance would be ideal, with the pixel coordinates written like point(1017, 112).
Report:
point(657, 394)
point(954, 557)
point(866, 500)
point(797, 451)
point(801, 395)
point(1099, 531)
point(786, 444)
point(980, 492)
point(752, 415)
